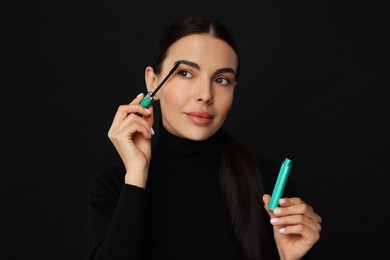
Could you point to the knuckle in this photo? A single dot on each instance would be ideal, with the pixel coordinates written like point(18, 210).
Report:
point(317, 236)
point(122, 108)
point(300, 227)
point(301, 218)
point(112, 137)
point(319, 227)
point(130, 117)
point(305, 208)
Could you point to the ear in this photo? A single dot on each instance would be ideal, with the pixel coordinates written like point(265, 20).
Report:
point(150, 79)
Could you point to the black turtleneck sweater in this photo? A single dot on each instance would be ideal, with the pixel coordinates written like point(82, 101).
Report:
point(179, 215)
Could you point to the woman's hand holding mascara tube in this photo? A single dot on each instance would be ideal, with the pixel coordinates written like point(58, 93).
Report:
point(131, 136)
point(296, 226)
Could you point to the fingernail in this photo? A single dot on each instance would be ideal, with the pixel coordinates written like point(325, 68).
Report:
point(277, 210)
point(274, 220)
point(140, 94)
point(152, 131)
point(147, 110)
point(282, 201)
point(282, 230)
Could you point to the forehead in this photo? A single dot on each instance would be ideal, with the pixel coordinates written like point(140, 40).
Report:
point(203, 49)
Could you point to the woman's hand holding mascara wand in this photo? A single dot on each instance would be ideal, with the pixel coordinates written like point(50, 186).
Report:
point(131, 131)
point(131, 135)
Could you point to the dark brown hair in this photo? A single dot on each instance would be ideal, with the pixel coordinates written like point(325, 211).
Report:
point(192, 25)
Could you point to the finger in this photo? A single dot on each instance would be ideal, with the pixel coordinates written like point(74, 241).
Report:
point(310, 235)
point(137, 99)
point(296, 220)
point(150, 118)
point(125, 110)
point(266, 199)
point(288, 207)
point(290, 201)
point(124, 134)
point(133, 123)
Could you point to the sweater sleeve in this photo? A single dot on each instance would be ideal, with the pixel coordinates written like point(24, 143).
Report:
point(115, 217)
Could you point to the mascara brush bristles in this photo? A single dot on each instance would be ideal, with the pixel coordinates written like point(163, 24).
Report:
point(166, 78)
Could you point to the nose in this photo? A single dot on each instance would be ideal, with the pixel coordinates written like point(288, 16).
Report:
point(203, 91)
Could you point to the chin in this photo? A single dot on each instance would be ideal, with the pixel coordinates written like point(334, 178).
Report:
point(198, 134)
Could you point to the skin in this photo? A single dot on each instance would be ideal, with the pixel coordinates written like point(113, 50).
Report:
point(296, 226)
point(204, 82)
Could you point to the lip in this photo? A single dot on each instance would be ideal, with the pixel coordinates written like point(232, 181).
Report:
point(200, 118)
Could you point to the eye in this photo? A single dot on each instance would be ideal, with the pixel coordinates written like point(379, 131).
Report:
point(185, 74)
point(223, 81)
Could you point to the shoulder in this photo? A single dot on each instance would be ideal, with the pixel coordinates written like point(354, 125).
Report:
point(107, 182)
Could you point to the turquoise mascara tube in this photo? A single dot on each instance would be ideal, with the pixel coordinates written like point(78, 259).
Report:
point(281, 181)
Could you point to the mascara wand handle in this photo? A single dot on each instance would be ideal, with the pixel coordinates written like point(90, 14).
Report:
point(280, 184)
point(150, 97)
point(147, 100)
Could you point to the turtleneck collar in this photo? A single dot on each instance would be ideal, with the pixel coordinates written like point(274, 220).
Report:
point(184, 155)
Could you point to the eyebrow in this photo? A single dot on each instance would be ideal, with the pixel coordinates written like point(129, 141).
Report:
point(196, 66)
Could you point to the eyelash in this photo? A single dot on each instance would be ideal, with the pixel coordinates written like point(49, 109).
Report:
point(184, 73)
point(227, 81)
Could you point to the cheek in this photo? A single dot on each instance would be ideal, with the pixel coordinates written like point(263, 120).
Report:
point(225, 108)
point(172, 99)
point(225, 102)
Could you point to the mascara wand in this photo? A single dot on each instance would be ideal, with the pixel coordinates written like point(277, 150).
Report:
point(150, 97)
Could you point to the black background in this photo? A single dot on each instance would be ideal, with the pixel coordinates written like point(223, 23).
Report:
point(306, 92)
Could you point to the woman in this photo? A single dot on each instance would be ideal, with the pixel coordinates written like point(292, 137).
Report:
point(195, 192)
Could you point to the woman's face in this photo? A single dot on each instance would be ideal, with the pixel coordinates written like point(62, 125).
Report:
point(196, 99)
